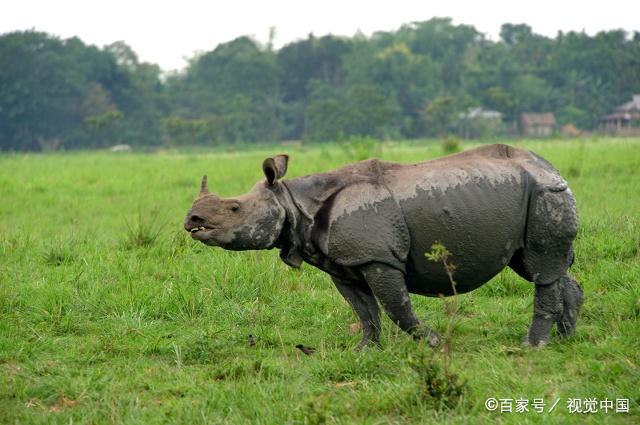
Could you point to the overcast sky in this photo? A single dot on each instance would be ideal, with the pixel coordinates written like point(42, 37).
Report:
point(167, 32)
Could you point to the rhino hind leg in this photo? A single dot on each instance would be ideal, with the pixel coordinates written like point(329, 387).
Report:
point(547, 255)
point(389, 287)
point(547, 310)
point(552, 224)
point(361, 299)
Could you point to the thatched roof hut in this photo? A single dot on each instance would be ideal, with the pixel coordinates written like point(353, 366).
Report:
point(537, 124)
point(625, 118)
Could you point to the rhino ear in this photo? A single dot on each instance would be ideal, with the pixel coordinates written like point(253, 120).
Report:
point(275, 168)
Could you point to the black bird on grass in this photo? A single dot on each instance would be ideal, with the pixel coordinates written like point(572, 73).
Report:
point(307, 350)
point(251, 341)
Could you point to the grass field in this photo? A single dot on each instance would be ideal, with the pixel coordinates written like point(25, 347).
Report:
point(110, 313)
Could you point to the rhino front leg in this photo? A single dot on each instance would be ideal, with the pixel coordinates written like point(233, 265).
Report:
point(389, 287)
point(361, 299)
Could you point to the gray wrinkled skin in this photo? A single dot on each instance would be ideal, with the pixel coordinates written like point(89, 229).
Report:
point(369, 225)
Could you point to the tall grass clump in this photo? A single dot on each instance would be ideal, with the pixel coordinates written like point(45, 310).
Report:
point(59, 252)
point(144, 231)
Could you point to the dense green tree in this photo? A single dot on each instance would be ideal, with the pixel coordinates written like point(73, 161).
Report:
point(184, 131)
point(300, 63)
point(408, 80)
point(446, 44)
point(64, 94)
point(313, 58)
point(438, 116)
point(360, 110)
point(237, 82)
point(40, 85)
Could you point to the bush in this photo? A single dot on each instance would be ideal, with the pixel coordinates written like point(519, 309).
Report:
point(450, 145)
point(438, 386)
point(358, 148)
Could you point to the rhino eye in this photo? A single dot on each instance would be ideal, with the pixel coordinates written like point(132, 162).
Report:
point(235, 208)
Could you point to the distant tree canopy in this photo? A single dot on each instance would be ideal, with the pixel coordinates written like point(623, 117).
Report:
point(62, 93)
point(413, 82)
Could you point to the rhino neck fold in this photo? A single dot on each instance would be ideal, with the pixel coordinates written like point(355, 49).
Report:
point(303, 197)
point(289, 242)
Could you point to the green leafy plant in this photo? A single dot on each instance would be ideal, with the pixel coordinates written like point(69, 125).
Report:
point(439, 384)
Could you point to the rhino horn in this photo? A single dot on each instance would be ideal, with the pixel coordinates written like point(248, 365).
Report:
point(203, 186)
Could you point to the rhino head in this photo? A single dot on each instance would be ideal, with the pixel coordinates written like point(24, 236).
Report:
point(250, 221)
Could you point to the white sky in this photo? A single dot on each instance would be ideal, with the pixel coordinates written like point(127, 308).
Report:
point(167, 32)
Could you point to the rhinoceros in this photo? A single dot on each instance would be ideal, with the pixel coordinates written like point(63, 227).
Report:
point(369, 224)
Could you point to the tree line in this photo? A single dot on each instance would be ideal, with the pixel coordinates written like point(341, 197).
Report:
point(411, 83)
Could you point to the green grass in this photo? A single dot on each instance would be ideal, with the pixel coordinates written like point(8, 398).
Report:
point(110, 313)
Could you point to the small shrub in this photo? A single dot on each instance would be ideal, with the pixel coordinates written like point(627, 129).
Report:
point(439, 387)
point(358, 148)
point(450, 145)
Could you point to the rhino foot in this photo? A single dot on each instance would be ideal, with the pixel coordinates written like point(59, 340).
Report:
point(367, 343)
point(572, 301)
point(556, 303)
point(432, 337)
point(527, 341)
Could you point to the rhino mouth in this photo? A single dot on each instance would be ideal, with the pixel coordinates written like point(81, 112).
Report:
point(201, 232)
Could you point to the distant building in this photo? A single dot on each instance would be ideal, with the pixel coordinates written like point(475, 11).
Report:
point(537, 124)
point(120, 148)
point(480, 113)
point(625, 119)
point(479, 122)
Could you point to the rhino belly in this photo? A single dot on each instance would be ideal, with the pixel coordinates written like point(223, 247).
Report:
point(481, 224)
